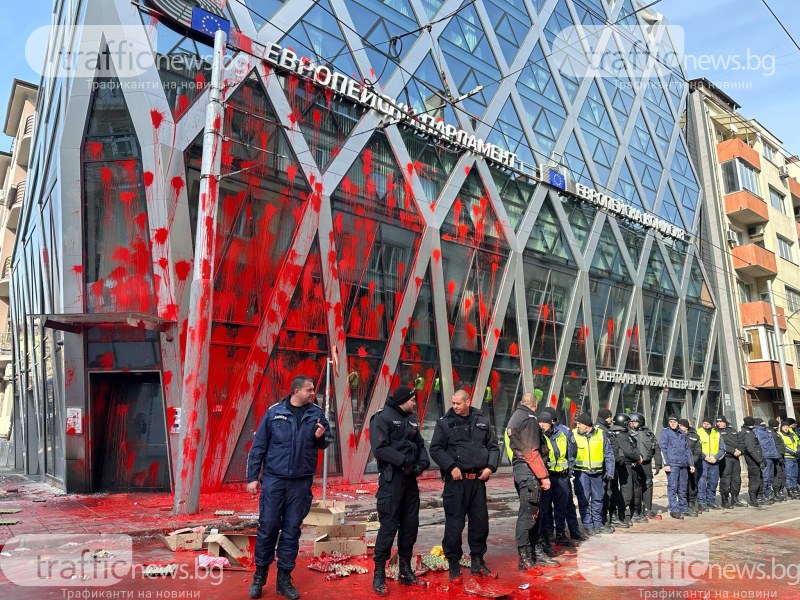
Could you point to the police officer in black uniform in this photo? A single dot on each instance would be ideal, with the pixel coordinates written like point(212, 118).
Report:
point(753, 458)
point(730, 479)
point(465, 447)
point(625, 487)
point(604, 422)
point(651, 456)
point(398, 447)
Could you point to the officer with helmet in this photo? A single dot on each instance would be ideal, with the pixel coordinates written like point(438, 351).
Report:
point(627, 455)
point(730, 478)
point(647, 443)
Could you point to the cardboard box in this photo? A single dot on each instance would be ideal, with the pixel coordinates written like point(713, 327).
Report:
point(189, 538)
point(238, 548)
point(326, 512)
point(347, 538)
point(348, 530)
point(345, 546)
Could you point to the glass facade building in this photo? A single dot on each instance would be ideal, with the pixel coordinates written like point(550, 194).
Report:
point(415, 261)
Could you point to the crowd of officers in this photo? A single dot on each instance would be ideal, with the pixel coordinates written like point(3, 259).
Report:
point(607, 465)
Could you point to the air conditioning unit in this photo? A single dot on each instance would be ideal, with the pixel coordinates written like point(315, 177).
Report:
point(783, 171)
point(733, 238)
point(756, 232)
point(747, 342)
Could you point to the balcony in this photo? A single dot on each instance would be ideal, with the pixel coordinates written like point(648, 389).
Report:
point(767, 374)
point(794, 189)
point(14, 204)
point(24, 146)
point(752, 260)
point(5, 275)
point(736, 148)
point(760, 313)
point(5, 342)
point(746, 208)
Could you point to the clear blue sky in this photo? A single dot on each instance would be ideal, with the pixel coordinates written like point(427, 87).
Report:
point(717, 28)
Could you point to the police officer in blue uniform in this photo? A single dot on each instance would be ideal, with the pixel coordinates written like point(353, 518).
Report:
point(284, 453)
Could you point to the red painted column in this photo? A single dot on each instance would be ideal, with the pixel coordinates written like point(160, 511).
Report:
point(194, 402)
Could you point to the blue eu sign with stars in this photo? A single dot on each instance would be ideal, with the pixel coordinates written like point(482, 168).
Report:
point(208, 23)
point(556, 179)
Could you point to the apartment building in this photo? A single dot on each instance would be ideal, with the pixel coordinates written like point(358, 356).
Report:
point(18, 125)
point(755, 181)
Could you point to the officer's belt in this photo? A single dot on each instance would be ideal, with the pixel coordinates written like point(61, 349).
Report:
point(470, 475)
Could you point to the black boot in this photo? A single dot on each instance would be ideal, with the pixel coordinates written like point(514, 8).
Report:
point(259, 579)
point(406, 575)
point(379, 579)
point(284, 585)
point(526, 560)
point(562, 539)
point(737, 502)
point(478, 567)
point(454, 569)
point(541, 558)
point(547, 547)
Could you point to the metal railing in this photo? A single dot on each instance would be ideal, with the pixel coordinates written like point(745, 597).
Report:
point(5, 342)
point(6, 268)
point(28, 126)
point(16, 194)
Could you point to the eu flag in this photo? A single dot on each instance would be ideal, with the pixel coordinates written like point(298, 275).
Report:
point(557, 179)
point(208, 23)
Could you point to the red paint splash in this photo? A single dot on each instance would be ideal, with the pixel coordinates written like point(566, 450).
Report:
point(156, 117)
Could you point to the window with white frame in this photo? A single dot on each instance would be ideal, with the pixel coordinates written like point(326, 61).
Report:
point(785, 249)
point(777, 199)
point(792, 299)
point(769, 152)
point(745, 292)
point(738, 175)
point(797, 352)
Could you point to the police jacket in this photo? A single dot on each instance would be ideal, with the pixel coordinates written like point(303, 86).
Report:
point(732, 441)
point(612, 439)
point(468, 443)
point(395, 440)
point(648, 445)
point(675, 448)
point(708, 436)
point(694, 444)
point(284, 448)
point(779, 445)
point(572, 449)
point(766, 441)
point(526, 442)
point(752, 449)
point(626, 449)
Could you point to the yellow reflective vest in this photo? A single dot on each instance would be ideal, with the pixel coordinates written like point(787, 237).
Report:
point(590, 456)
point(709, 441)
point(560, 464)
point(791, 443)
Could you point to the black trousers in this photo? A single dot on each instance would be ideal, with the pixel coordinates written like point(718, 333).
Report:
point(464, 499)
point(753, 477)
point(529, 492)
point(398, 513)
point(646, 484)
point(693, 478)
point(730, 479)
point(608, 493)
point(622, 489)
point(780, 476)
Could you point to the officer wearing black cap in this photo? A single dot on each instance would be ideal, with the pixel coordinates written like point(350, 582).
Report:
point(753, 458)
point(465, 447)
point(400, 452)
point(651, 456)
point(730, 470)
point(694, 476)
point(605, 419)
point(779, 483)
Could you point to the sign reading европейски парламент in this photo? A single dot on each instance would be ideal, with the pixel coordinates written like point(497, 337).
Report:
point(425, 124)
